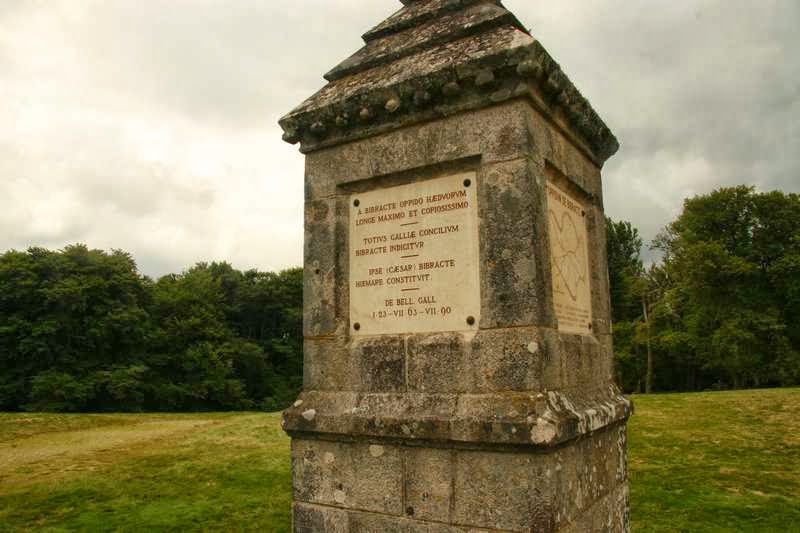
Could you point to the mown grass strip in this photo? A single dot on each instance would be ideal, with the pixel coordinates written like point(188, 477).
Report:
point(727, 461)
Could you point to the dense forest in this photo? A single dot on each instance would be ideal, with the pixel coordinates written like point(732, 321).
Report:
point(721, 308)
point(83, 330)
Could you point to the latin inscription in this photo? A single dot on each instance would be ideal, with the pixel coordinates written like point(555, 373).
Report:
point(569, 261)
point(414, 258)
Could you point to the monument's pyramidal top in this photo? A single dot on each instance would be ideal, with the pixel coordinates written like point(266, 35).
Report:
point(434, 58)
point(426, 24)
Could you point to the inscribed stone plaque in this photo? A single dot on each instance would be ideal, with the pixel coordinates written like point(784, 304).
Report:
point(414, 258)
point(569, 258)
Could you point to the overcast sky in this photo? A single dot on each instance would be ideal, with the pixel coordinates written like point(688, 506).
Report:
point(150, 125)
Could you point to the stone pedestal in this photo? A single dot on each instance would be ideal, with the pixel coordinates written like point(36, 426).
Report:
point(458, 354)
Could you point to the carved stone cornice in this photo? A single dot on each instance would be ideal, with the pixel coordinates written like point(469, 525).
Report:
point(436, 61)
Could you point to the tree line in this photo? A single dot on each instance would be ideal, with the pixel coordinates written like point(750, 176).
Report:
point(721, 308)
point(82, 330)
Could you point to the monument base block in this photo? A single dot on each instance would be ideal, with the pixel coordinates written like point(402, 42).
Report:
point(371, 487)
point(502, 462)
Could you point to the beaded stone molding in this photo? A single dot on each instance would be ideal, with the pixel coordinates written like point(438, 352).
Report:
point(435, 58)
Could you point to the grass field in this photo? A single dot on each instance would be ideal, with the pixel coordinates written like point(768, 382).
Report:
point(719, 461)
point(698, 462)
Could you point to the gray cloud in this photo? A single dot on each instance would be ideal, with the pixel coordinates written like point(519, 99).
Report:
point(150, 126)
point(702, 94)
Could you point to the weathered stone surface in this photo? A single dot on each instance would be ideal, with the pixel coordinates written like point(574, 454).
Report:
point(438, 363)
point(317, 519)
point(413, 14)
point(601, 300)
point(318, 477)
point(319, 305)
point(492, 490)
point(378, 484)
point(609, 515)
point(605, 363)
point(362, 476)
point(536, 420)
point(449, 27)
point(429, 483)
point(509, 212)
point(371, 523)
point(310, 518)
point(328, 406)
point(328, 365)
point(507, 360)
point(552, 373)
point(424, 149)
point(380, 80)
point(580, 355)
point(381, 363)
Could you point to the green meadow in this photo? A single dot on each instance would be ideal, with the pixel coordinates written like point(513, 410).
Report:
point(722, 461)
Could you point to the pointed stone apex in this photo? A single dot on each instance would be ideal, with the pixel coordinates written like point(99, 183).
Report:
point(397, 42)
point(418, 12)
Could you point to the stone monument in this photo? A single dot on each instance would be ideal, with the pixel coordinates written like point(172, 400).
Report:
point(458, 354)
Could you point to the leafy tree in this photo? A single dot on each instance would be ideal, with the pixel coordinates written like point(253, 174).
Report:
point(192, 368)
point(630, 305)
point(722, 308)
point(66, 314)
point(624, 246)
point(732, 255)
point(81, 329)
